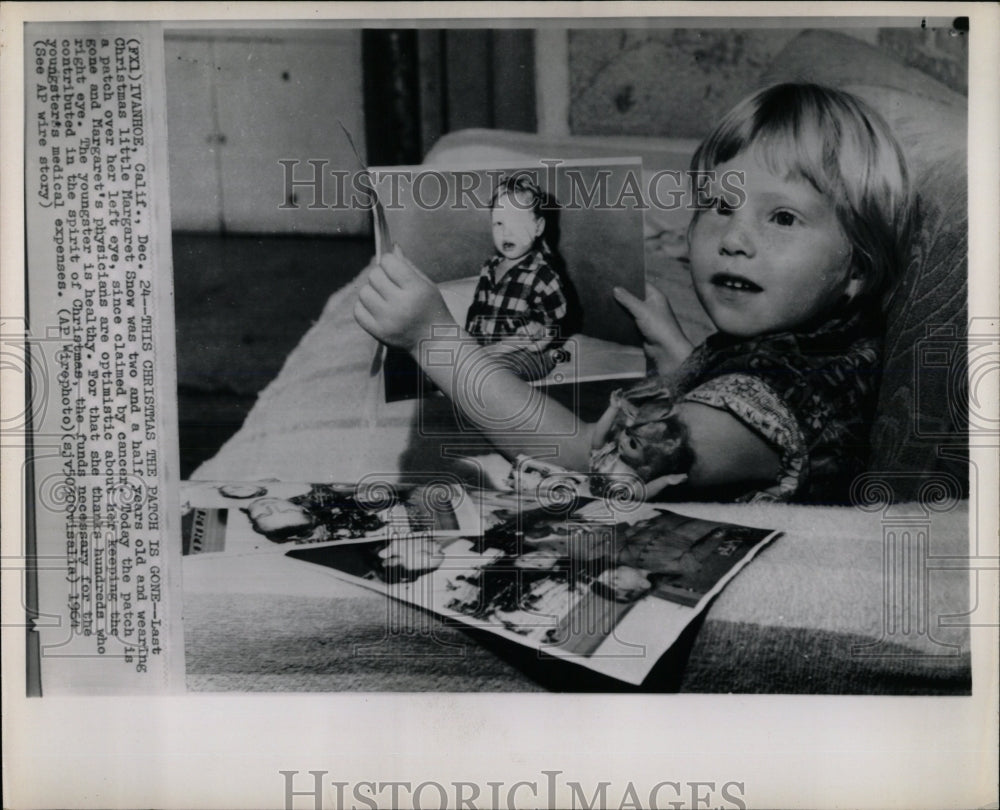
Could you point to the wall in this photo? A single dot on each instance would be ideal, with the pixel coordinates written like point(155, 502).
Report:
point(237, 103)
point(662, 82)
point(673, 82)
point(942, 54)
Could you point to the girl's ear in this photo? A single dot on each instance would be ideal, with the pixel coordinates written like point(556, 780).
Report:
point(539, 226)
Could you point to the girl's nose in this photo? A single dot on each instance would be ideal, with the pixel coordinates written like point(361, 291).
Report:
point(736, 238)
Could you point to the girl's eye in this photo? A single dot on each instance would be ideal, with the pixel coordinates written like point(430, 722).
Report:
point(784, 218)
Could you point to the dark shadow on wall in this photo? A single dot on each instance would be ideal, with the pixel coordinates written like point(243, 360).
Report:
point(419, 85)
point(242, 303)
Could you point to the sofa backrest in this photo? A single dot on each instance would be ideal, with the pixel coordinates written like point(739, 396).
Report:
point(921, 425)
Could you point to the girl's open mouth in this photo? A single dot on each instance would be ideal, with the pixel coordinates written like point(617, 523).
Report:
point(737, 283)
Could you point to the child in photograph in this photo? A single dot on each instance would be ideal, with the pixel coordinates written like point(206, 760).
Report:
point(519, 307)
point(800, 231)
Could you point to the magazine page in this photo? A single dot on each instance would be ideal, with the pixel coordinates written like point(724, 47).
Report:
point(607, 586)
point(247, 517)
point(609, 589)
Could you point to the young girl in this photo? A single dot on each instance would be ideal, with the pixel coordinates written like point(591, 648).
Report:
point(801, 228)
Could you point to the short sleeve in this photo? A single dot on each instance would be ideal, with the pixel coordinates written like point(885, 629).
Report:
point(755, 404)
point(812, 402)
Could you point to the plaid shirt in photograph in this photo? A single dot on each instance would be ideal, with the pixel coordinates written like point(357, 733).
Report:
point(529, 292)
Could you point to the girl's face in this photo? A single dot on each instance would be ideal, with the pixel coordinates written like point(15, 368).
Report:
point(515, 227)
point(774, 262)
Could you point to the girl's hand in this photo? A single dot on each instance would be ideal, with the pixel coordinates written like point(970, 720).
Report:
point(664, 341)
point(398, 305)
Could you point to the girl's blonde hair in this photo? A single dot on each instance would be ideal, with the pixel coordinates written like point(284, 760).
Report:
point(846, 151)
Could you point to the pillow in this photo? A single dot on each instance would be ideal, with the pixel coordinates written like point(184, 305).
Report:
point(921, 400)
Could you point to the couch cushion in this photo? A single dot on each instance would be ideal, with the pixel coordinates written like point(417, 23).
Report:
point(810, 615)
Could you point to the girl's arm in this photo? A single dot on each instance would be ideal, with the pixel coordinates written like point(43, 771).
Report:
point(402, 307)
point(726, 452)
point(399, 305)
